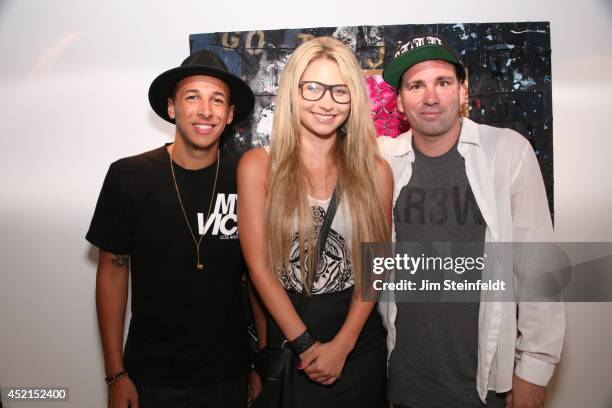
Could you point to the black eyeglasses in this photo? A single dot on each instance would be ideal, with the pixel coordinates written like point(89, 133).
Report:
point(313, 91)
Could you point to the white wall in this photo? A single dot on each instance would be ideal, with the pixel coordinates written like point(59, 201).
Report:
point(74, 78)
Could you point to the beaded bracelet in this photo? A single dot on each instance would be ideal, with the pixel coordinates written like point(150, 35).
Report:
point(116, 377)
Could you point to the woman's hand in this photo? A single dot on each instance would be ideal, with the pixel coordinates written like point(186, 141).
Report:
point(323, 362)
point(255, 387)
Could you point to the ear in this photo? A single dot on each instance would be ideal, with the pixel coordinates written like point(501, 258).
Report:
point(230, 114)
point(400, 107)
point(171, 108)
point(463, 93)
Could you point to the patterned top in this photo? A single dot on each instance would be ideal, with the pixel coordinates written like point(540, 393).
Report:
point(335, 270)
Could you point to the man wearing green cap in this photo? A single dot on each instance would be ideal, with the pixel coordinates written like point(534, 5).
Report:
point(460, 182)
point(168, 217)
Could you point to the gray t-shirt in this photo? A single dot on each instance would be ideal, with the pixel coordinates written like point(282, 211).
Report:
point(434, 361)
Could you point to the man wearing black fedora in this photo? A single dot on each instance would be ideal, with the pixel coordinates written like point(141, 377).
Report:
point(169, 217)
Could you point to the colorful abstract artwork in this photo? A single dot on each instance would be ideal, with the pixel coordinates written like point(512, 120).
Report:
point(509, 75)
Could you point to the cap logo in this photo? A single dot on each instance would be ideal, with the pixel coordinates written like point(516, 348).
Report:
point(416, 43)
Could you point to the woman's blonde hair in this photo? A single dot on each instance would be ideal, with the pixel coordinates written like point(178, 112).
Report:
point(356, 156)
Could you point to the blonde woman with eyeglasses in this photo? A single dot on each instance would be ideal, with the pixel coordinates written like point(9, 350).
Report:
point(323, 140)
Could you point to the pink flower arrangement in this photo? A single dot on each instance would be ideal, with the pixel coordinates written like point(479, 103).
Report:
point(383, 103)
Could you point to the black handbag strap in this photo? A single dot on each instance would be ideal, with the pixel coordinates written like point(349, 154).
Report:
point(322, 239)
point(326, 225)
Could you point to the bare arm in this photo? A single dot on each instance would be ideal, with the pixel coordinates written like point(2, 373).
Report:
point(111, 299)
point(252, 195)
point(259, 316)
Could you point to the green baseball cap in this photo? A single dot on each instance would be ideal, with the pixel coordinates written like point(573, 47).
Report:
point(416, 50)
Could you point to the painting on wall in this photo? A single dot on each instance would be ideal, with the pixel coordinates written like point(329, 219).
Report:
point(508, 64)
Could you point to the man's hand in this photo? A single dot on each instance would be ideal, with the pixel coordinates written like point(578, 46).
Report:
point(323, 362)
point(122, 394)
point(525, 394)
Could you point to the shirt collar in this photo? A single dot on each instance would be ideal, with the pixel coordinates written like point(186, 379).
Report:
point(469, 134)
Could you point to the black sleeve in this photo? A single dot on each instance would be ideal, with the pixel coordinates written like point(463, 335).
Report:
point(109, 226)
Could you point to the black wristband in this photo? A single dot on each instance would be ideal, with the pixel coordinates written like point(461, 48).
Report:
point(301, 343)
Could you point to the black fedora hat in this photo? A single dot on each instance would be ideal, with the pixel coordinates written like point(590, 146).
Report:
point(203, 62)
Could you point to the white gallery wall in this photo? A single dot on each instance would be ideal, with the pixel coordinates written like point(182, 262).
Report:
point(74, 77)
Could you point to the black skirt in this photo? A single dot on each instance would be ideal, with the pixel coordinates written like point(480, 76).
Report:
point(363, 380)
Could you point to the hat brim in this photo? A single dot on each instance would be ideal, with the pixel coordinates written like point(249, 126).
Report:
point(162, 88)
point(394, 71)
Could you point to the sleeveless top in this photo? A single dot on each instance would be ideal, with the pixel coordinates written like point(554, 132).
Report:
point(335, 272)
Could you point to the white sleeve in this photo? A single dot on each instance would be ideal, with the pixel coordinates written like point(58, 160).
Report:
point(541, 325)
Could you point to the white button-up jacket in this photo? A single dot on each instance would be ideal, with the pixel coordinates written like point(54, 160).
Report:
point(507, 184)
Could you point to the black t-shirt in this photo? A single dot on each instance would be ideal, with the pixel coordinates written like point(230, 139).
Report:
point(188, 326)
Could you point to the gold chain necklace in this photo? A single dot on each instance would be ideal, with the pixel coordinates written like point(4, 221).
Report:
point(197, 242)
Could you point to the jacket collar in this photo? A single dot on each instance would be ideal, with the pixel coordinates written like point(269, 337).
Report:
point(469, 134)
